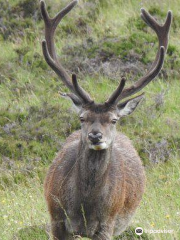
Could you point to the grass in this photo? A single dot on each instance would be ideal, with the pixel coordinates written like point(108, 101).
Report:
point(160, 206)
point(23, 207)
point(34, 120)
point(26, 214)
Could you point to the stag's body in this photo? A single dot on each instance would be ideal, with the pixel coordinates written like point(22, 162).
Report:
point(96, 182)
point(95, 193)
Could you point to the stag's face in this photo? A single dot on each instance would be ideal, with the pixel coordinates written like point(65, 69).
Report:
point(98, 128)
point(98, 122)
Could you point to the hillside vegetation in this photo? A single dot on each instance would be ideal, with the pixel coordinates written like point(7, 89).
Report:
point(100, 40)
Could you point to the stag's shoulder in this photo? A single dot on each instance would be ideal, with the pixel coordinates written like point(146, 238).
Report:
point(65, 159)
point(122, 140)
point(124, 147)
point(127, 155)
point(70, 147)
point(74, 137)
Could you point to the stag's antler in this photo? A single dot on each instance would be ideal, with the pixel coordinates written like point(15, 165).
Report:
point(80, 95)
point(50, 53)
point(162, 33)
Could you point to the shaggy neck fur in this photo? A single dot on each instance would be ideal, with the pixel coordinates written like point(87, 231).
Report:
point(92, 168)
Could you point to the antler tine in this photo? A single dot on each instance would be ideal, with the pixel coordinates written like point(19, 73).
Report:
point(142, 82)
point(56, 67)
point(79, 91)
point(48, 46)
point(73, 97)
point(113, 99)
point(52, 23)
point(161, 31)
point(162, 34)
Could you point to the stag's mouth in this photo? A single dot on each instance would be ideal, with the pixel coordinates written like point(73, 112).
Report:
point(98, 146)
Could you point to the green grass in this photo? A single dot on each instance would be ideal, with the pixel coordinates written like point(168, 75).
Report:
point(23, 208)
point(34, 120)
point(160, 206)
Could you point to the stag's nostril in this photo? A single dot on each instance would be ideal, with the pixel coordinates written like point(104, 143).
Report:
point(99, 135)
point(95, 137)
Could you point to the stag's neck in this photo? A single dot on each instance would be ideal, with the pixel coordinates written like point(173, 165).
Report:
point(92, 168)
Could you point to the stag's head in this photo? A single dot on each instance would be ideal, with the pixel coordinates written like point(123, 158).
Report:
point(98, 121)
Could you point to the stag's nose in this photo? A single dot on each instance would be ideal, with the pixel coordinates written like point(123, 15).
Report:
point(95, 137)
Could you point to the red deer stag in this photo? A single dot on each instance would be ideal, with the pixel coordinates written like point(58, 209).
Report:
point(96, 182)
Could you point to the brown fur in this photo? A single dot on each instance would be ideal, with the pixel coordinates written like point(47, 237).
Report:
point(105, 186)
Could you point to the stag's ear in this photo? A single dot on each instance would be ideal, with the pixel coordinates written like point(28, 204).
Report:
point(76, 101)
point(129, 106)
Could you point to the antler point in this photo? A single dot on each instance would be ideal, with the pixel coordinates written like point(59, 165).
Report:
point(73, 75)
point(44, 43)
point(74, 79)
point(42, 3)
point(143, 10)
point(169, 15)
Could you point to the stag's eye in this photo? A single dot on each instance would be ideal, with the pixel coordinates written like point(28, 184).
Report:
point(114, 121)
point(81, 119)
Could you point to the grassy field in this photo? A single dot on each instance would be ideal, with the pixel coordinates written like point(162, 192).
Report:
point(100, 41)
